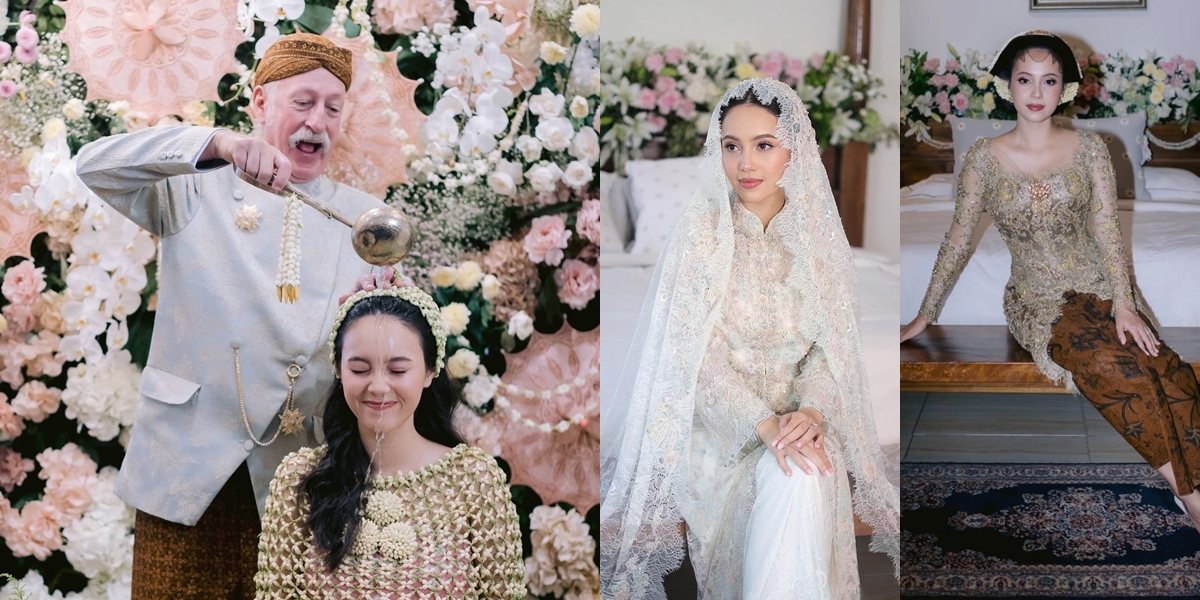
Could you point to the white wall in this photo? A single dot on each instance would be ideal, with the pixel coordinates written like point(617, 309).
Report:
point(1167, 26)
point(798, 28)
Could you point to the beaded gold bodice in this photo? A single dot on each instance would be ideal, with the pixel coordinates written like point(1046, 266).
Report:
point(448, 530)
point(1061, 230)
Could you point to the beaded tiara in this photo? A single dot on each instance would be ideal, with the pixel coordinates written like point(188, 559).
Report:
point(411, 294)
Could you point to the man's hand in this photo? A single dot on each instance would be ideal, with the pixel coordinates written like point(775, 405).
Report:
point(369, 282)
point(257, 158)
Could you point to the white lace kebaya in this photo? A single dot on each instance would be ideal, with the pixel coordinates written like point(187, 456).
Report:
point(742, 323)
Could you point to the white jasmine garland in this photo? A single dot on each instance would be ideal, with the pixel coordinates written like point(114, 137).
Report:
point(384, 507)
point(287, 281)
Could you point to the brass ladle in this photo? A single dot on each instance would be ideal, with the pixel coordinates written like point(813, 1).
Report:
point(382, 236)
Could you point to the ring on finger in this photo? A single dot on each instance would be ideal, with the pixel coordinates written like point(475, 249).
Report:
point(272, 180)
point(813, 426)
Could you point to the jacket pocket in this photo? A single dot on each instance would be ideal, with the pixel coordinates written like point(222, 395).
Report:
point(162, 386)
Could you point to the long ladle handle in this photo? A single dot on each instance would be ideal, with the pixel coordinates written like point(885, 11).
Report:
point(288, 190)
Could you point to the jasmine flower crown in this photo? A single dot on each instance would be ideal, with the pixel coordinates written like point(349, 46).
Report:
point(411, 294)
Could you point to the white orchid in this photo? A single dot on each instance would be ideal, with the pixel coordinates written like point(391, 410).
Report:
point(274, 11)
point(488, 30)
point(492, 66)
point(269, 36)
point(90, 281)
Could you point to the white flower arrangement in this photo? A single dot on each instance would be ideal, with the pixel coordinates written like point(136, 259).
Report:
point(103, 395)
point(561, 563)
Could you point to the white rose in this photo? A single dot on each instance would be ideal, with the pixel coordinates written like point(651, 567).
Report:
point(444, 276)
point(456, 315)
point(555, 133)
point(585, 21)
point(579, 107)
point(529, 147)
point(586, 145)
point(469, 276)
point(701, 90)
point(547, 104)
point(462, 364)
point(479, 390)
point(74, 109)
point(490, 287)
point(552, 53)
point(577, 174)
point(520, 326)
point(119, 108)
point(544, 176)
point(502, 183)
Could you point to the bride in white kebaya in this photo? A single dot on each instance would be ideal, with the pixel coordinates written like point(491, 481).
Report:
point(743, 404)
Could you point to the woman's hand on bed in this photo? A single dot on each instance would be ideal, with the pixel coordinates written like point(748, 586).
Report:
point(800, 428)
point(1129, 323)
point(913, 329)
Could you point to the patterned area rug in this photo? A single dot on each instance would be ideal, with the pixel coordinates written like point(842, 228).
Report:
point(1052, 531)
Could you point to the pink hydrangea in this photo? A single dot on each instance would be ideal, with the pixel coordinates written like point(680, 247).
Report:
point(23, 283)
point(587, 222)
point(951, 80)
point(578, 283)
point(674, 55)
point(931, 65)
point(546, 240)
point(36, 532)
point(35, 401)
point(645, 99)
point(11, 425)
point(13, 468)
point(961, 103)
point(70, 477)
point(953, 65)
point(655, 63)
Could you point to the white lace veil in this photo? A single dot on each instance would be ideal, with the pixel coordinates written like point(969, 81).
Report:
point(646, 426)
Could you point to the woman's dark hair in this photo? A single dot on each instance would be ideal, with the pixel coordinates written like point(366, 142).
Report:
point(753, 100)
point(1004, 69)
point(335, 488)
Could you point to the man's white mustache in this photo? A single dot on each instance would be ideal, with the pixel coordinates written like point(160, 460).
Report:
point(304, 134)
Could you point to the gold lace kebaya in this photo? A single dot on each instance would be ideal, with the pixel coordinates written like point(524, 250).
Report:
point(448, 530)
point(1061, 229)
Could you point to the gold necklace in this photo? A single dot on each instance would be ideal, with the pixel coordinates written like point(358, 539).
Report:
point(291, 420)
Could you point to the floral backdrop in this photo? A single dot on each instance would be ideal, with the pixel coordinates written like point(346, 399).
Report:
point(491, 106)
point(667, 93)
point(1166, 89)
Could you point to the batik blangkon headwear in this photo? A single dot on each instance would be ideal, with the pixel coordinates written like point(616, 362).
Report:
point(299, 53)
point(1002, 65)
point(646, 424)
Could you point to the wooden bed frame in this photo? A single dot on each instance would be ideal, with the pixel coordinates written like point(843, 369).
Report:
point(919, 160)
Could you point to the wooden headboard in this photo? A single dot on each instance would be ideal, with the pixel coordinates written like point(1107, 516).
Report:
point(920, 160)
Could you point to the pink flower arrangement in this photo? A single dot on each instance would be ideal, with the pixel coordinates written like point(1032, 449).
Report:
point(663, 84)
point(657, 122)
point(70, 477)
point(817, 61)
point(577, 282)
point(961, 103)
point(546, 240)
point(1096, 58)
point(669, 101)
point(13, 469)
point(11, 425)
point(35, 531)
point(409, 16)
point(951, 79)
point(7, 88)
point(23, 283)
point(35, 401)
point(5, 52)
point(646, 99)
point(674, 55)
point(655, 63)
point(953, 65)
point(587, 222)
point(931, 65)
point(27, 39)
point(942, 99)
point(686, 109)
point(796, 69)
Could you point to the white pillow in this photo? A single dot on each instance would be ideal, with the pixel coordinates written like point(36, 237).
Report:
point(615, 230)
point(938, 185)
point(1172, 184)
point(659, 191)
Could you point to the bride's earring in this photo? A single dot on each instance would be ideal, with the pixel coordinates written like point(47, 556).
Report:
point(1002, 89)
point(1069, 93)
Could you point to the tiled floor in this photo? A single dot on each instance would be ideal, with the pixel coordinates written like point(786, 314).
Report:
point(939, 427)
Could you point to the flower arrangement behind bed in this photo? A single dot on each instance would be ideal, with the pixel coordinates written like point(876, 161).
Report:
point(665, 93)
point(1114, 84)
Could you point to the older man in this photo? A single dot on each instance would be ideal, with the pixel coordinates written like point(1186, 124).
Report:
point(234, 374)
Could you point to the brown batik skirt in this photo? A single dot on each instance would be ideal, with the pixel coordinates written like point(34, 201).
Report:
point(1153, 401)
point(215, 559)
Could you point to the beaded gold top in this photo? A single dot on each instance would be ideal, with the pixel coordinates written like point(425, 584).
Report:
point(448, 530)
point(1061, 229)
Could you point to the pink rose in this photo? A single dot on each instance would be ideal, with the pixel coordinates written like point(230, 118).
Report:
point(35, 401)
point(11, 425)
point(795, 68)
point(36, 532)
point(13, 468)
point(5, 52)
point(686, 110)
point(23, 283)
point(1096, 58)
point(668, 101)
point(1177, 82)
point(577, 282)
point(952, 65)
point(772, 68)
point(663, 84)
point(817, 60)
point(545, 241)
point(27, 55)
point(675, 55)
point(942, 99)
point(655, 63)
point(937, 81)
point(931, 65)
point(951, 80)
point(961, 103)
point(7, 88)
point(587, 222)
point(657, 122)
point(1188, 67)
point(27, 37)
point(645, 99)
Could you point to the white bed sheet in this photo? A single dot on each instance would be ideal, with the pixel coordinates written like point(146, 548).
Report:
point(1161, 236)
point(625, 281)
